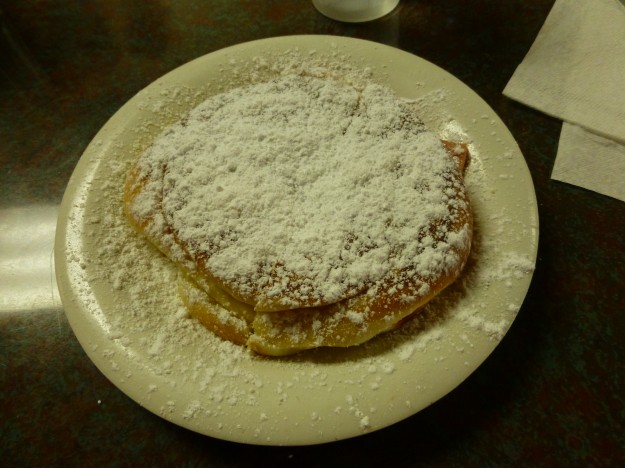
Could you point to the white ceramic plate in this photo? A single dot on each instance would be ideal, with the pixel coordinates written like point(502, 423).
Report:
point(119, 294)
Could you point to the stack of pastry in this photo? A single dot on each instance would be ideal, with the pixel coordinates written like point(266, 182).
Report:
point(303, 212)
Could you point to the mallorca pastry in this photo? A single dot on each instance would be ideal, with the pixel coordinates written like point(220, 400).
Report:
point(303, 212)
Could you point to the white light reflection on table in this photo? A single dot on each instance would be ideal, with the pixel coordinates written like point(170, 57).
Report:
point(27, 280)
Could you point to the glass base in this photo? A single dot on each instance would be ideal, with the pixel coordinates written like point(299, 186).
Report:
point(355, 11)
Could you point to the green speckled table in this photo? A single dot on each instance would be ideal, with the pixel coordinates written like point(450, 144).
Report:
point(552, 393)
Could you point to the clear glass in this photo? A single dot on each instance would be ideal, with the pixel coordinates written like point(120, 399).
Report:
point(355, 11)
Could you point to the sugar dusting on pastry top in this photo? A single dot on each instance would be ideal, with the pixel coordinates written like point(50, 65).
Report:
point(305, 191)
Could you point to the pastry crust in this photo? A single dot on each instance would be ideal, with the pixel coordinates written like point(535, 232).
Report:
point(269, 325)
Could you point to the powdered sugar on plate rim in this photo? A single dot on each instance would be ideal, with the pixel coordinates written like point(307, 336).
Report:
point(118, 291)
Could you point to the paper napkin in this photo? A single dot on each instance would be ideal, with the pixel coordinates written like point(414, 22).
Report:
point(575, 71)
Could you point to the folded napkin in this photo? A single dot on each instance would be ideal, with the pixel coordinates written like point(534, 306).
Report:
point(575, 71)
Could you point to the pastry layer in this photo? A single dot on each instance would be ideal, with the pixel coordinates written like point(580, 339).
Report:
point(304, 212)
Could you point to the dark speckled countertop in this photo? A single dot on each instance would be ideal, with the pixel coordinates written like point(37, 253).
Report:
point(552, 393)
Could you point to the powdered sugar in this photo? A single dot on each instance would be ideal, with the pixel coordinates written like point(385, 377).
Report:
point(280, 185)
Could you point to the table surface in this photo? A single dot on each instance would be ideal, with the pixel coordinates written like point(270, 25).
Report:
point(552, 393)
